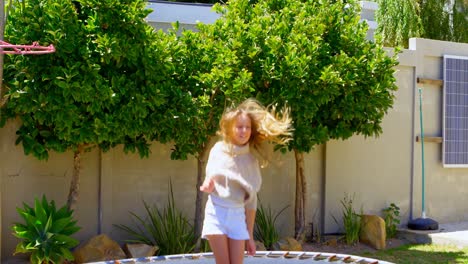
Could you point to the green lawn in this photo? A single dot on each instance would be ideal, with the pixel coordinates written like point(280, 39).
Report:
point(419, 254)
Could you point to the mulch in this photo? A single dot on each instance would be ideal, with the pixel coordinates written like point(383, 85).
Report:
point(336, 245)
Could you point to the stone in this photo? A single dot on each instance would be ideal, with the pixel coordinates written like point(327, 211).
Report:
point(333, 242)
point(98, 248)
point(140, 250)
point(259, 246)
point(287, 244)
point(373, 231)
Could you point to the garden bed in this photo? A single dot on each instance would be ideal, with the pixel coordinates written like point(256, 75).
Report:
point(332, 244)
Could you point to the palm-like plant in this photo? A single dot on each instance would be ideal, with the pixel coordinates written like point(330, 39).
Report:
point(168, 229)
point(265, 229)
point(46, 233)
point(351, 220)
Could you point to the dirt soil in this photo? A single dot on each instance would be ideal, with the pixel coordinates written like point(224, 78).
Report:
point(335, 245)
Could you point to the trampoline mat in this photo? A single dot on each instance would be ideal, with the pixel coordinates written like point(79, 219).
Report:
point(262, 257)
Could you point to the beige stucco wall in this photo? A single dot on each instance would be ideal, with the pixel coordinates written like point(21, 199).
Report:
point(23, 178)
point(127, 180)
point(114, 184)
point(446, 188)
point(379, 171)
point(375, 171)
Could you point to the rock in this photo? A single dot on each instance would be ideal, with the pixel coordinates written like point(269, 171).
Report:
point(98, 248)
point(259, 246)
point(332, 242)
point(287, 244)
point(373, 231)
point(139, 250)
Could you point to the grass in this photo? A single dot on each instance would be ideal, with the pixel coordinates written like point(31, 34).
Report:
point(421, 254)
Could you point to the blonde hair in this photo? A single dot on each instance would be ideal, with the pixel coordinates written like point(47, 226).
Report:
point(267, 124)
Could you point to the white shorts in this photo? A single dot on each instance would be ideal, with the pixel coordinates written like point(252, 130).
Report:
point(224, 221)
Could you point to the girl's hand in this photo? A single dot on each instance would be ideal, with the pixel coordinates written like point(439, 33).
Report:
point(250, 247)
point(207, 186)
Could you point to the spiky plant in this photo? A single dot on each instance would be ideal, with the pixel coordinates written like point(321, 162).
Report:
point(46, 232)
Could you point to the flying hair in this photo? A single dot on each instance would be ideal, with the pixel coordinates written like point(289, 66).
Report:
point(267, 123)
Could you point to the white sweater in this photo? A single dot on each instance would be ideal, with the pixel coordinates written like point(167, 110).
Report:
point(236, 174)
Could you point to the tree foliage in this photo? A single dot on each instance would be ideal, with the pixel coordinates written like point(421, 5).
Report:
point(436, 19)
point(312, 56)
point(460, 21)
point(208, 70)
point(108, 82)
point(399, 20)
point(211, 73)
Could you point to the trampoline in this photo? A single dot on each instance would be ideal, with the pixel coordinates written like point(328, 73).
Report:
point(261, 257)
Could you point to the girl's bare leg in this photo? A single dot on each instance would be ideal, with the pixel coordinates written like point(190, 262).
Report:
point(236, 251)
point(220, 246)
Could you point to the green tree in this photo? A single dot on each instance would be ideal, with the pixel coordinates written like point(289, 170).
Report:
point(210, 72)
point(108, 83)
point(398, 21)
point(314, 57)
point(436, 19)
point(460, 21)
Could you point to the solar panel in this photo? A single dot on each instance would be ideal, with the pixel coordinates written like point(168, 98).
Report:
point(455, 112)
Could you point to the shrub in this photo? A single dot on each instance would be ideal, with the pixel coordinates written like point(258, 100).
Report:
point(391, 215)
point(46, 232)
point(265, 230)
point(351, 221)
point(168, 229)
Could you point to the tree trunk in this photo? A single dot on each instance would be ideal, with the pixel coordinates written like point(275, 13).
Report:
point(299, 209)
point(75, 181)
point(198, 202)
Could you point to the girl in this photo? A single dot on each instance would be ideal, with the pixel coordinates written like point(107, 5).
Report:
point(233, 178)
